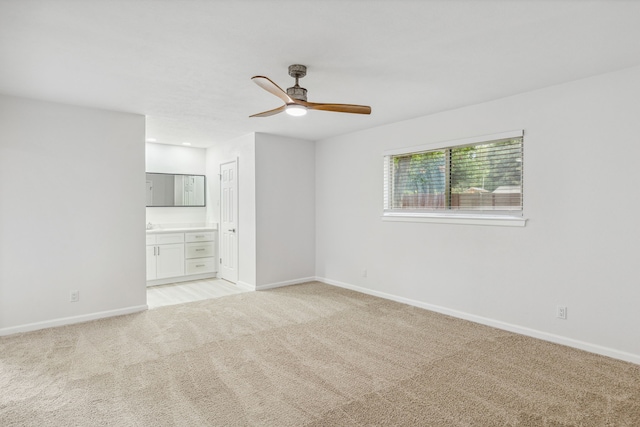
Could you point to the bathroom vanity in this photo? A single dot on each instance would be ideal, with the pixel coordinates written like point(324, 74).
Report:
point(181, 254)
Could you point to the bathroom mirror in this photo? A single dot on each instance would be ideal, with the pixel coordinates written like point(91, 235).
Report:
point(167, 189)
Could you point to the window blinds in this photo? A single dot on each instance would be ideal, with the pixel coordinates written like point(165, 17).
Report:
point(484, 176)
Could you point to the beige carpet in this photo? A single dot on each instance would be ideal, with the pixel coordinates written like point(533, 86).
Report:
point(306, 355)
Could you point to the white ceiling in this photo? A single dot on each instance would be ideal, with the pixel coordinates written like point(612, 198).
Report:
point(187, 64)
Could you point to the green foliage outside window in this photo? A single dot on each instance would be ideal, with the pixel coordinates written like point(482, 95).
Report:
point(470, 173)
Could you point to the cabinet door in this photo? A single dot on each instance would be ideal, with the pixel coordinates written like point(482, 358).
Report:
point(151, 262)
point(170, 261)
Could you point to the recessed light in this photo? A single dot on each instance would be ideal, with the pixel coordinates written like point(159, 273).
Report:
point(152, 140)
point(186, 143)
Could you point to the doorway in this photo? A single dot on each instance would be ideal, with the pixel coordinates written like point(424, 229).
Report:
point(228, 230)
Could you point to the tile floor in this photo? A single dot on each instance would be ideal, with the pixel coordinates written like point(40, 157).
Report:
point(196, 290)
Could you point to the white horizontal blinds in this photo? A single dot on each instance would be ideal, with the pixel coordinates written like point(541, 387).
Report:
point(487, 176)
point(387, 182)
point(477, 177)
point(418, 181)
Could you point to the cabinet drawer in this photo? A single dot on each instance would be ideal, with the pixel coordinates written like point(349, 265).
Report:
point(163, 239)
point(151, 239)
point(202, 265)
point(203, 236)
point(199, 250)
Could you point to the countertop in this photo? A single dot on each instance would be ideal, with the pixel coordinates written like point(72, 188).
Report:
point(180, 230)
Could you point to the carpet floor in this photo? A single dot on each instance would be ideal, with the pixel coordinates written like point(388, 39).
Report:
point(305, 355)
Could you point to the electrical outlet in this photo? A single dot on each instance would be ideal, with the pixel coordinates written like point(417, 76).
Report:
point(74, 296)
point(561, 312)
point(364, 273)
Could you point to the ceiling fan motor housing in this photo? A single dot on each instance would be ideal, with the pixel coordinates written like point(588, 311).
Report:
point(297, 71)
point(297, 92)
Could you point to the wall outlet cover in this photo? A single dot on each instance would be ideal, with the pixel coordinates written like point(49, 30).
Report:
point(561, 312)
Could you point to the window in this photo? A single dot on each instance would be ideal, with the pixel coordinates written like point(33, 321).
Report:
point(476, 177)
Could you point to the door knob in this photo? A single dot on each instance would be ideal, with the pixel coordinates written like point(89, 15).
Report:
point(233, 230)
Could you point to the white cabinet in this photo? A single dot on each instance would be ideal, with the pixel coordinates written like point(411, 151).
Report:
point(200, 265)
point(199, 250)
point(165, 256)
point(204, 236)
point(170, 261)
point(175, 257)
point(200, 253)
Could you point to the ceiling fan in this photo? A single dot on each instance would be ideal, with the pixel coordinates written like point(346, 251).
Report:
point(295, 98)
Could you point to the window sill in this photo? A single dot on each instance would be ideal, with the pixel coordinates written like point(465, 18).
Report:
point(466, 219)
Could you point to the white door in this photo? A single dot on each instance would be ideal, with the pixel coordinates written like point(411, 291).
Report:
point(229, 221)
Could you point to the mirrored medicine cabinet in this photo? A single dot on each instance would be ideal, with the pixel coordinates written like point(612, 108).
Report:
point(175, 190)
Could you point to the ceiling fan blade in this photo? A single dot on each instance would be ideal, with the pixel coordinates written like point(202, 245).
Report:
point(270, 112)
point(338, 108)
point(268, 85)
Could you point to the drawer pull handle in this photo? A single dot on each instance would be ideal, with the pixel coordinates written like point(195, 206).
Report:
point(200, 265)
point(200, 249)
point(199, 237)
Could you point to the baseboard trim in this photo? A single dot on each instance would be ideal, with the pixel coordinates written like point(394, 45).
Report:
point(285, 283)
point(29, 327)
point(557, 339)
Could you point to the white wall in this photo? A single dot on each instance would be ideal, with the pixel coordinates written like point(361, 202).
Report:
point(243, 150)
point(162, 158)
point(285, 209)
point(579, 247)
point(71, 214)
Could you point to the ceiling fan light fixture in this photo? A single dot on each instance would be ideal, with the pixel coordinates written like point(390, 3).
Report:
point(296, 110)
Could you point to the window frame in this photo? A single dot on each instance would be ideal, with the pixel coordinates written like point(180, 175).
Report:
point(497, 218)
